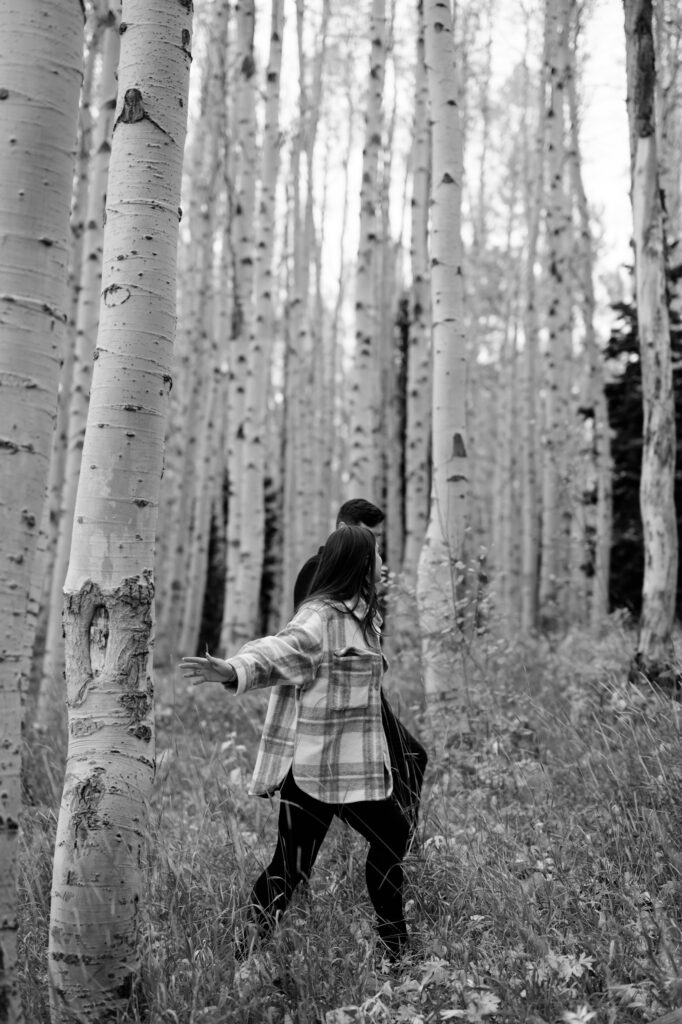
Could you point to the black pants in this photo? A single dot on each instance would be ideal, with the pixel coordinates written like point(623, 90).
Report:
point(303, 824)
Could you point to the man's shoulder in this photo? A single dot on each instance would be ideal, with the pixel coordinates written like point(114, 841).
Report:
point(305, 578)
point(313, 561)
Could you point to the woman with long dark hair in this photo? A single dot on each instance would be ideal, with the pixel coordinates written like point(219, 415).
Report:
point(323, 746)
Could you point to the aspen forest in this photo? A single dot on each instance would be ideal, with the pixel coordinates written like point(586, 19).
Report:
point(261, 258)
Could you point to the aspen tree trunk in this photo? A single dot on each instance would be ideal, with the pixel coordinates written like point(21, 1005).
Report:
point(599, 468)
point(364, 394)
point(87, 318)
point(392, 336)
point(323, 370)
point(313, 444)
point(314, 441)
point(266, 285)
point(505, 475)
point(255, 254)
point(41, 61)
point(668, 47)
point(183, 514)
point(99, 883)
point(441, 563)
point(244, 430)
point(323, 426)
point(94, 28)
point(266, 280)
point(504, 526)
point(93, 33)
point(654, 655)
point(239, 235)
point(418, 412)
point(338, 444)
point(293, 552)
point(556, 511)
point(299, 475)
point(530, 521)
point(203, 355)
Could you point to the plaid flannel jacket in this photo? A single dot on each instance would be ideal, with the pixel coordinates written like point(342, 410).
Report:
point(324, 715)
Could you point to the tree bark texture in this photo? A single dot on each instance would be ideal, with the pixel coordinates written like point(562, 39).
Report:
point(596, 516)
point(654, 648)
point(364, 387)
point(87, 317)
point(441, 569)
point(99, 866)
point(556, 510)
point(41, 63)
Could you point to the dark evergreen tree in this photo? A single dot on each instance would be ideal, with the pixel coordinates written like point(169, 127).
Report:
point(624, 398)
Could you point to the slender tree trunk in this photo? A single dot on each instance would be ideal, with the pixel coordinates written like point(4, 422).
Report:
point(265, 285)
point(364, 395)
point(418, 413)
point(556, 511)
point(87, 318)
point(99, 883)
point(441, 569)
point(597, 517)
point(313, 443)
point(300, 395)
point(184, 519)
point(654, 655)
point(530, 519)
point(241, 596)
point(47, 544)
point(41, 56)
point(668, 44)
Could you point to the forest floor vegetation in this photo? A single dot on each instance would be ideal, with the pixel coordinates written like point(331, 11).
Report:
point(544, 885)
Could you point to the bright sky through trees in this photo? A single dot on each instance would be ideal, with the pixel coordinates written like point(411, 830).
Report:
point(606, 161)
point(604, 133)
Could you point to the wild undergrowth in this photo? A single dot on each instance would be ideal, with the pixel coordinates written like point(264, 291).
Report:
point(545, 883)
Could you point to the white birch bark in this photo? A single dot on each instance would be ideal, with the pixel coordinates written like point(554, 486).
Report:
point(245, 525)
point(93, 36)
point(556, 510)
point(312, 442)
point(98, 890)
point(441, 565)
point(254, 254)
point(266, 284)
point(363, 393)
point(187, 409)
point(418, 412)
point(187, 494)
point(668, 45)
point(325, 368)
point(241, 204)
point(293, 548)
point(299, 472)
point(597, 523)
point(530, 523)
point(87, 318)
point(392, 351)
point(654, 653)
point(205, 474)
point(41, 61)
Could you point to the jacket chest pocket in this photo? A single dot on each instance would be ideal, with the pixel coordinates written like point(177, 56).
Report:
point(354, 674)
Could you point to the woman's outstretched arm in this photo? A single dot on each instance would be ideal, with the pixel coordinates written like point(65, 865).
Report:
point(291, 657)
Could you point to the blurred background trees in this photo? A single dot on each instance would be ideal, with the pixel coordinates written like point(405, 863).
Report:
point(302, 371)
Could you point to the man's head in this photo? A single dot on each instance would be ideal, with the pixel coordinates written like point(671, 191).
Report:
point(359, 512)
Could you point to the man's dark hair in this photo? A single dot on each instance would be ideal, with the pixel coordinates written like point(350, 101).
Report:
point(357, 511)
point(345, 573)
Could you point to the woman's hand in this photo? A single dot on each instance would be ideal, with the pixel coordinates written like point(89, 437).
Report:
point(209, 670)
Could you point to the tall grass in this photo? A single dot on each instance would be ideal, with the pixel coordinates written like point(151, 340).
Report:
point(545, 884)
